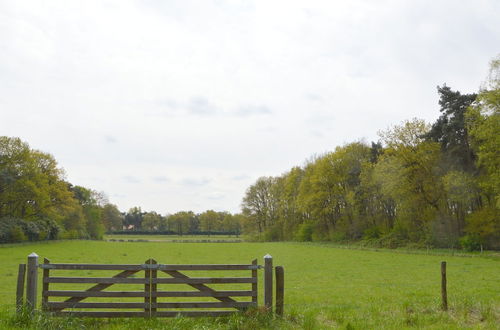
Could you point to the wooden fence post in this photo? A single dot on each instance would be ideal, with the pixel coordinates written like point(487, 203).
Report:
point(20, 287)
point(268, 282)
point(280, 289)
point(32, 281)
point(444, 295)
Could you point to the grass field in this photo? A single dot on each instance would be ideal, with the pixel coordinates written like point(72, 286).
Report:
point(326, 286)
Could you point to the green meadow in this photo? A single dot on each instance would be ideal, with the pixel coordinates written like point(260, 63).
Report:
point(325, 286)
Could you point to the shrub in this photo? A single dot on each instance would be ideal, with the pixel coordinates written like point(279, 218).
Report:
point(337, 236)
point(371, 233)
point(272, 234)
point(16, 234)
point(11, 230)
point(304, 232)
point(31, 229)
point(14, 230)
point(470, 243)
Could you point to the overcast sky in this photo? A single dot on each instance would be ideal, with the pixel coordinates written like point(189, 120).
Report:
point(181, 105)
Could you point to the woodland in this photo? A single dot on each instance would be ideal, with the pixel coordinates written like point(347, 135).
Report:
point(422, 184)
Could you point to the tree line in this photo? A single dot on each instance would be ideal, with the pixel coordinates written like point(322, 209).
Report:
point(421, 184)
point(37, 203)
point(426, 184)
point(183, 222)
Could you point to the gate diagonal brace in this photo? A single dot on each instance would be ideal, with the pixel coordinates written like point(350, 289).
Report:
point(200, 287)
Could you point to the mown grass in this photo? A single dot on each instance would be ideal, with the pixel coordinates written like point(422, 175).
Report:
point(326, 286)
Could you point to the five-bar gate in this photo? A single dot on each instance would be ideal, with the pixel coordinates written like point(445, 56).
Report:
point(148, 290)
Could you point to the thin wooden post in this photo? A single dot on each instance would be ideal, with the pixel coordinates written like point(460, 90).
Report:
point(254, 285)
point(154, 274)
point(444, 295)
point(32, 281)
point(280, 289)
point(20, 287)
point(268, 282)
point(147, 289)
point(45, 285)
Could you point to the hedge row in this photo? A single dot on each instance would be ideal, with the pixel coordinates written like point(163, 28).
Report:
point(169, 232)
point(13, 230)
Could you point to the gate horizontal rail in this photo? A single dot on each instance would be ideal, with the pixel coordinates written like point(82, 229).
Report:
point(111, 280)
point(130, 294)
point(148, 266)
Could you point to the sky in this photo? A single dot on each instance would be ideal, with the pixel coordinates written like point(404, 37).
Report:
point(182, 105)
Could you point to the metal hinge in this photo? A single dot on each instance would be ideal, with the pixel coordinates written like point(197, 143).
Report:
point(254, 267)
point(151, 266)
point(46, 266)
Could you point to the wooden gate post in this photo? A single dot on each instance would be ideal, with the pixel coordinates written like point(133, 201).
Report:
point(254, 285)
point(45, 286)
point(154, 287)
point(32, 281)
point(280, 290)
point(20, 287)
point(268, 282)
point(147, 289)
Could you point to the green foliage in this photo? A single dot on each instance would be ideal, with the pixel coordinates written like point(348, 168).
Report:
point(210, 220)
point(484, 226)
point(450, 129)
point(133, 218)
point(33, 193)
point(470, 243)
point(484, 125)
point(16, 234)
point(372, 233)
point(183, 222)
point(421, 184)
point(151, 221)
point(272, 234)
point(31, 184)
point(261, 202)
point(304, 232)
point(18, 230)
point(112, 217)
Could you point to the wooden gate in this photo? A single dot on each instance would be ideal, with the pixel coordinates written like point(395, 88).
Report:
point(148, 290)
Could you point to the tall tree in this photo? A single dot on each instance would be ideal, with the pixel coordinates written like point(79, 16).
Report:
point(329, 191)
point(134, 218)
point(151, 221)
point(410, 173)
point(31, 184)
point(450, 129)
point(112, 218)
point(183, 222)
point(290, 214)
point(483, 224)
point(260, 203)
point(92, 205)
